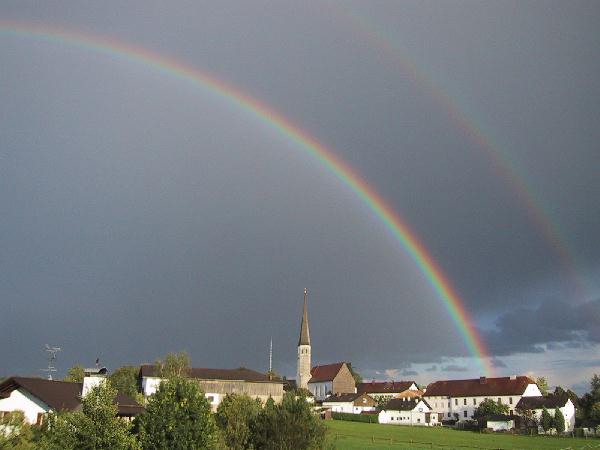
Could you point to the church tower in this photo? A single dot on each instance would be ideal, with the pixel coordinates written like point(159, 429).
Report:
point(303, 372)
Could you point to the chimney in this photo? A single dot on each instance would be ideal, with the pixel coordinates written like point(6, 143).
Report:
point(93, 377)
point(482, 380)
point(513, 377)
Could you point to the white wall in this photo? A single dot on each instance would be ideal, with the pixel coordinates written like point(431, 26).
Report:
point(501, 425)
point(415, 417)
point(568, 412)
point(532, 391)
point(320, 390)
point(457, 405)
point(21, 400)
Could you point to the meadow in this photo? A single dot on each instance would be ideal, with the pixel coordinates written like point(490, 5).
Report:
point(353, 435)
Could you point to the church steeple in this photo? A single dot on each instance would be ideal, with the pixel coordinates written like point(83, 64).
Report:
point(304, 332)
point(303, 372)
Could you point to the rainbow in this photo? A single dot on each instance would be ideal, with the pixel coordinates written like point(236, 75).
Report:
point(274, 120)
point(501, 162)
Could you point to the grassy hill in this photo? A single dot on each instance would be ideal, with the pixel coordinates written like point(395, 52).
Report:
point(354, 435)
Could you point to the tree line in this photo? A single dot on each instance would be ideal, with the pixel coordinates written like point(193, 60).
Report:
point(178, 416)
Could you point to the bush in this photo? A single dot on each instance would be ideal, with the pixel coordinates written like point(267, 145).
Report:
point(365, 418)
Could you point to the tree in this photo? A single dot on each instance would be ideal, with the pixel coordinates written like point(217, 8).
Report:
point(178, 416)
point(559, 420)
point(235, 417)
point(95, 427)
point(16, 433)
point(546, 421)
point(357, 377)
point(595, 388)
point(75, 374)
point(488, 408)
point(542, 384)
point(125, 381)
point(174, 365)
point(288, 426)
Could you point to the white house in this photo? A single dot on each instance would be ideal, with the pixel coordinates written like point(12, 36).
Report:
point(562, 402)
point(216, 383)
point(350, 403)
point(36, 397)
point(408, 412)
point(459, 399)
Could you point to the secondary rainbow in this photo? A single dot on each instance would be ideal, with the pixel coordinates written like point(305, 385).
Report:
point(502, 163)
point(271, 118)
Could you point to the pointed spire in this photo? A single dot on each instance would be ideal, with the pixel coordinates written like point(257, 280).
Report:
point(304, 333)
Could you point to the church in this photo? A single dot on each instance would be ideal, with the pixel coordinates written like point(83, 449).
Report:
point(320, 381)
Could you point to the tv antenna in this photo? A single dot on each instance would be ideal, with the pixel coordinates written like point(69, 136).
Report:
point(52, 351)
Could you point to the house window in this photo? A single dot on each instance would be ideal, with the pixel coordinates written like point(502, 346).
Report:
point(210, 399)
point(465, 413)
point(40, 419)
point(448, 404)
point(448, 414)
point(465, 402)
point(499, 401)
point(455, 402)
point(474, 401)
point(418, 420)
point(510, 400)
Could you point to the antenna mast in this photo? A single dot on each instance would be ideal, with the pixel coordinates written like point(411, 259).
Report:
point(52, 351)
point(271, 357)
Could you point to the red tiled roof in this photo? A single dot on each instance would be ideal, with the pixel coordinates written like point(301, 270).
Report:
point(384, 387)
point(325, 373)
point(241, 374)
point(479, 387)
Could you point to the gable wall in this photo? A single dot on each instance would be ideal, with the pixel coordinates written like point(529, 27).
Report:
point(21, 400)
point(343, 382)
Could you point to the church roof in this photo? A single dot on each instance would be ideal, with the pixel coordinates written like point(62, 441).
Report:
point(325, 373)
point(304, 333)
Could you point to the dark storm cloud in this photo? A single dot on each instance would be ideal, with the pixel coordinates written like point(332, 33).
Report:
point(142, 214)
point(498, 363)
point(409, 373)
point(454, 368)
point(554, 323)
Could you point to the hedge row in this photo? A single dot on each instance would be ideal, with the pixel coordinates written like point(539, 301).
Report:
point(367, 418)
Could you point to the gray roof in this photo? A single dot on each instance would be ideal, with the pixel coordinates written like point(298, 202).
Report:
point(304, 333)
point(550, 402)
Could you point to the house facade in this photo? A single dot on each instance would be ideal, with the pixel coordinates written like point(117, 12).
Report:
point(562, 402)
point(408, 412)
point(350, 403)
point(459, 399)
point(216, 383)
point(331, 379)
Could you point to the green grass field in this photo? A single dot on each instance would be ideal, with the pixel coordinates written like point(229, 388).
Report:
point(353, 435)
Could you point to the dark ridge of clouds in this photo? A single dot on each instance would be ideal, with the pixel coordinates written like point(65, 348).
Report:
point(498, 363)
point(454, 368)
point(578, 363)
point(554, 325)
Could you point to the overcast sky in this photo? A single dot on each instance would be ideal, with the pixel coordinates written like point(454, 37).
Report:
point(142, 214)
